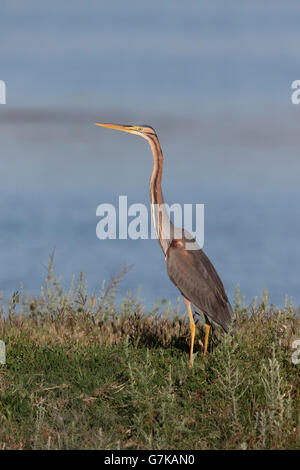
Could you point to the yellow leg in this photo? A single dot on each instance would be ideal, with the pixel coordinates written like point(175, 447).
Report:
point(207, 328)
point(193, 330)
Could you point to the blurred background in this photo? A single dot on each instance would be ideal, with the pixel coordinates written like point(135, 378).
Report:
point(213, 77)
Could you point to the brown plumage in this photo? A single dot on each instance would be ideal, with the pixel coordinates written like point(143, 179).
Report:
point(190, 270)
point(198, 281)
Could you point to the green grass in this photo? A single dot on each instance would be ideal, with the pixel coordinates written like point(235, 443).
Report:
point(83, 373)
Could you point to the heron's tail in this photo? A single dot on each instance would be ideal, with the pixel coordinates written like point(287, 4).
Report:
point(231, 322)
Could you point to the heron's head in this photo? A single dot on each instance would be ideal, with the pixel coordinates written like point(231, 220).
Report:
point(144, 130)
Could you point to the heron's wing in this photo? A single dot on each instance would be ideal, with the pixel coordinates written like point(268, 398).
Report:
point(196, 278)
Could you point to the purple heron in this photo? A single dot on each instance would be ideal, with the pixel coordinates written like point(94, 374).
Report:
point(189, 269)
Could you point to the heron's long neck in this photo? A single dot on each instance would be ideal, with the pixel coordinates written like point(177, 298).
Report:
point(160, 217)
point(156, 196)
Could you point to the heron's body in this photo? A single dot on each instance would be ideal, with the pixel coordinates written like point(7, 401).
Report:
point(198, 281)
point(189, 269)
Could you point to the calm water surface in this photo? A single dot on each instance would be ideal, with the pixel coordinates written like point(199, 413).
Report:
point(213, 79)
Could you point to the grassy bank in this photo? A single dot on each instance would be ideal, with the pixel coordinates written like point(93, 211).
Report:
point(83, 373)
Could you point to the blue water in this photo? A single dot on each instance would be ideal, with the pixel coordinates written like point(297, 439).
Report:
point(213, 78)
